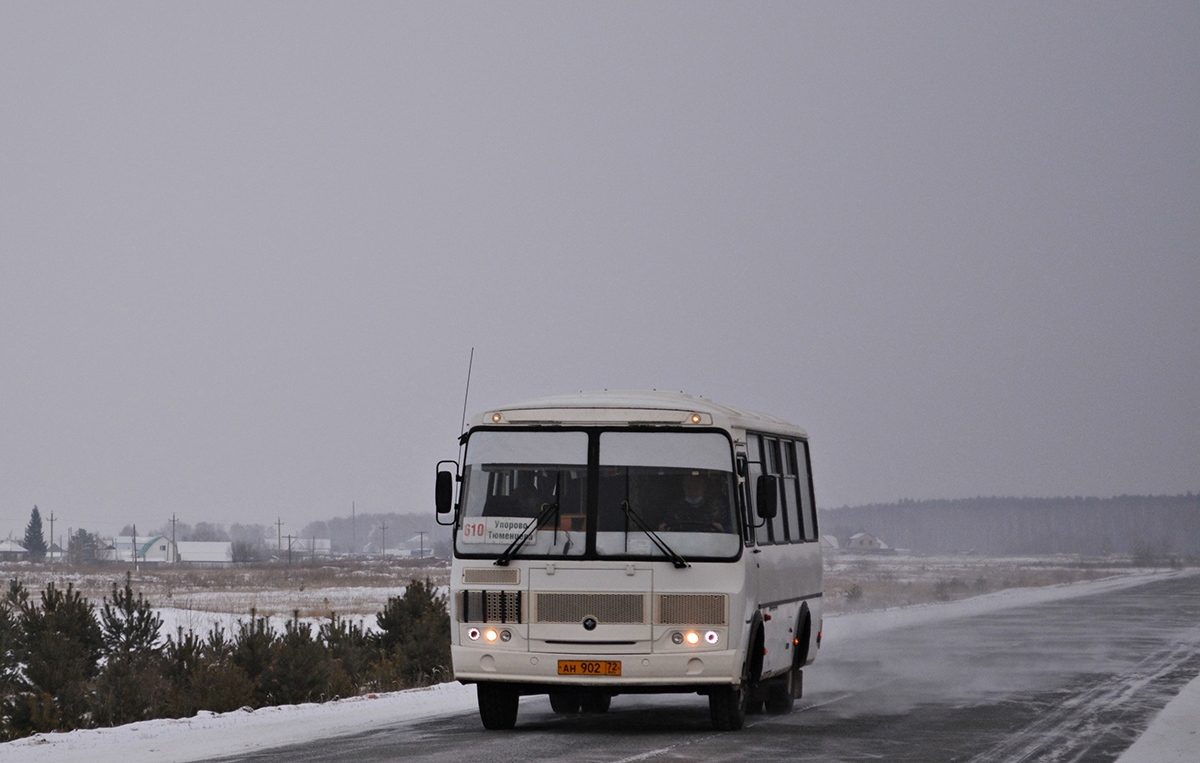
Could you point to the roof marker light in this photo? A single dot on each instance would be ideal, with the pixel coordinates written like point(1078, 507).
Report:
point(495, 418)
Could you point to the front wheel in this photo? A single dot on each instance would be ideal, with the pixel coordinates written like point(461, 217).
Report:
point(727, 707)
point(564, 702)
point(596, 703)
point(497, 705)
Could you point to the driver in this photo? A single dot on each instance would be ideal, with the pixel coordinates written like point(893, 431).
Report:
point(702, 508)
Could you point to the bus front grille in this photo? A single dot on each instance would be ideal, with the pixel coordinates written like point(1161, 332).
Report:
point(691, 609)
point(491, 607)
point(609, 608)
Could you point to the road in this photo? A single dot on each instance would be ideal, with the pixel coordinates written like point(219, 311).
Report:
point(1072, 680)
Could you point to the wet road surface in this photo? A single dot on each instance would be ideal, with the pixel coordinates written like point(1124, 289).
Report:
point(1072, 680)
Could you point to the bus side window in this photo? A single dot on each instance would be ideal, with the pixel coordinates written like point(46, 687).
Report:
point(799, 531)
point(779, 525)
point(807, 504)
point(754, 452)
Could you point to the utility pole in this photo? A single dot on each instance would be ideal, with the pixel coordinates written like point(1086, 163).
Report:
point(279, 538)
point(353, 531)
point(289, 537)
point(51, 549)
point(383, 540)
point(174, 548)
point(422, 534)
point(135, 548)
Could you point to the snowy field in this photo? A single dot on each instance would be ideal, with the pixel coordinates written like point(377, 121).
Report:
point(1171, 738)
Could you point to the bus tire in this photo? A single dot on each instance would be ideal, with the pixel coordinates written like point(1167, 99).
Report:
point(779, 694)
point(597, 702)
point(564, 702)
point(497, 705)
point(727, 706)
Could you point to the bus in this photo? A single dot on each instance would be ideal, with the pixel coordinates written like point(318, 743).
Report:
point(632, 542)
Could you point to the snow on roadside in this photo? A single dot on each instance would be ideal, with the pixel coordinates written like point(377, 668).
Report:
point(210, 735)
point(846, 627)
point(1174, 734)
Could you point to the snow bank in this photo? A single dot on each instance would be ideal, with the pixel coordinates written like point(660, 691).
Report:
point(1174, 734)
point(846, 627)
point(211, 735)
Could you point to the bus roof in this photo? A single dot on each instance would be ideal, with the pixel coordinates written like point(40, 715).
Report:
point(632, 407)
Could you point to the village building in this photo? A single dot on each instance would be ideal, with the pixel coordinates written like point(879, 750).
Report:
point(204, 552)
point(867, 542)
point(12, 551)
point(830, 543)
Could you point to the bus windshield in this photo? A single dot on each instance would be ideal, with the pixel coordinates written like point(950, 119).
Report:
point(662, 495)
point(512, 478)
point(677, 486)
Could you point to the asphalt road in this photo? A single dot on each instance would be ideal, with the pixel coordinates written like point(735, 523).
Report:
point(1073, 680)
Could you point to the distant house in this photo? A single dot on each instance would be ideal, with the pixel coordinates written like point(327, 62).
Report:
point(204, 552)
point(298, 547)
point(12, 551)
point(154, 549)
point(830, 543)
point(418, 546)
point(866, 542)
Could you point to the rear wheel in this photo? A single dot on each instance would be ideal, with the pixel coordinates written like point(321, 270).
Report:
point(564, 702)
point(497, 705)
point(779, 694)
point(596, 703)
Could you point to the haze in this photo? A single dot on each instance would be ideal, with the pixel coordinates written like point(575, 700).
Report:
point(246, 248)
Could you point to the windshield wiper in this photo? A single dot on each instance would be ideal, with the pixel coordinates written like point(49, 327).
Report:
point(669, 552)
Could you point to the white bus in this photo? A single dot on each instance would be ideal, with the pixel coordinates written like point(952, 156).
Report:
point(632, 542)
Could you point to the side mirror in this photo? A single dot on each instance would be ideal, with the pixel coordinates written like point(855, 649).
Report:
point(444, 492)
point(767, 490)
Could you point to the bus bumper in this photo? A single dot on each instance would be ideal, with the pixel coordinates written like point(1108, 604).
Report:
point(702, 668)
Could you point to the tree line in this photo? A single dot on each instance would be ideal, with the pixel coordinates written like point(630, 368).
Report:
point(64, 664)
point(1158, 525)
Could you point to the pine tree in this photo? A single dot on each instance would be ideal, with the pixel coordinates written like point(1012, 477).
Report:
point(35, 542)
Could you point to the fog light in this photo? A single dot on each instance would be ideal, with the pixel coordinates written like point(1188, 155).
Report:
point(473, 634)
point(711, 637)
point(490, 635)
point(505, 635)
point(676, 638)
point(693, 638)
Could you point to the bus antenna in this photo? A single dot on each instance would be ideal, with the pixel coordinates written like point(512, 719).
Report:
point(467, 393)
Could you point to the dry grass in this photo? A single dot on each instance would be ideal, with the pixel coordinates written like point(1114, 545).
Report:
point(347, 587)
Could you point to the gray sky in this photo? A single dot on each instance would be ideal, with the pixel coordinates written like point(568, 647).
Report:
point(245, 249)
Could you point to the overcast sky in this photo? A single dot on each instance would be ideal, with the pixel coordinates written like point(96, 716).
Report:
point(245, 248)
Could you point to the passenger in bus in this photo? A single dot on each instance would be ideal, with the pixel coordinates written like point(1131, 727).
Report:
point(702, 509)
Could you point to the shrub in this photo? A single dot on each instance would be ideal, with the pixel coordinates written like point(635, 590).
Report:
point(415, 631)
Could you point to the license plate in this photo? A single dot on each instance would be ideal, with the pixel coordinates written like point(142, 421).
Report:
point(589, 667)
